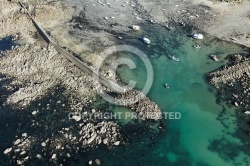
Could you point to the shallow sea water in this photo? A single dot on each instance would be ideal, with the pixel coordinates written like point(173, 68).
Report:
point(207, 133)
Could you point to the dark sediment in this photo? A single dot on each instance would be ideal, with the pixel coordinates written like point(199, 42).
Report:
point(232, 83)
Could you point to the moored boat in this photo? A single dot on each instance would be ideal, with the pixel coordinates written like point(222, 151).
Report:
point(197, 46)
point(119, 37)
point(214, 57)
point(182, 24)
point(173, 58)
point(166, 85)
point(168, 27)
point(136, 27)
point(152, 21)
point(146, 40)
point(198, 36)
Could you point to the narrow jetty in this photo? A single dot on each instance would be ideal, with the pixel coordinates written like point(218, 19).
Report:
point(104, 81)
point(139, 106)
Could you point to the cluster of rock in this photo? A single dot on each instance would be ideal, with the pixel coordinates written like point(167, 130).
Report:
point(87, 135)
point(50, 136)
point(21, 149)
point(142, 102)
point(230, 1)
point(64, 143)
point(97, 161)
point(39, 69)
point(233, 82)
point(139, 103)
point(106, 133)
point(229, 73)
point(198, 16)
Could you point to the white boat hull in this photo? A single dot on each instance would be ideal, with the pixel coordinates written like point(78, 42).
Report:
point(146, 40)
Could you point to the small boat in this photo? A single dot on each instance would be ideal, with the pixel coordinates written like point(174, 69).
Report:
point(136, 27)
point(214, 57)
point(152, 21)
point(119, 37)
point(146, 40)
point(174, 58)
point(197, 46)
point(169, 27)
point(166, 86)
point(182, 24)
point(198, 36)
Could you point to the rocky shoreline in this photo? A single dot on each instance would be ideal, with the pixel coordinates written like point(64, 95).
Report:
point(47, 133)
point(64, 144)
point(232, 83)
point(141, 104)
point(33, 68)
point(36, 68)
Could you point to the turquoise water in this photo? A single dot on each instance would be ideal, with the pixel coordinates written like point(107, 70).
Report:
point(200, 137)
point(206, 135)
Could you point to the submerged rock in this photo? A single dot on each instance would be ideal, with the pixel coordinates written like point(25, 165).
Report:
point(38, 156)
point(98, 161)
point(24, 134)
point(34, 112)
point(19, 162)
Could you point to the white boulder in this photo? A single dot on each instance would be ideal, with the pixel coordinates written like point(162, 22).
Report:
point(117, 143)
point(34, 112)
point(24, 134)
point(98, 161)
point(8, 150)
point(53, 156)
point(198, 36)
point(247, 112)
point(43, 144)
point(136, 27)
